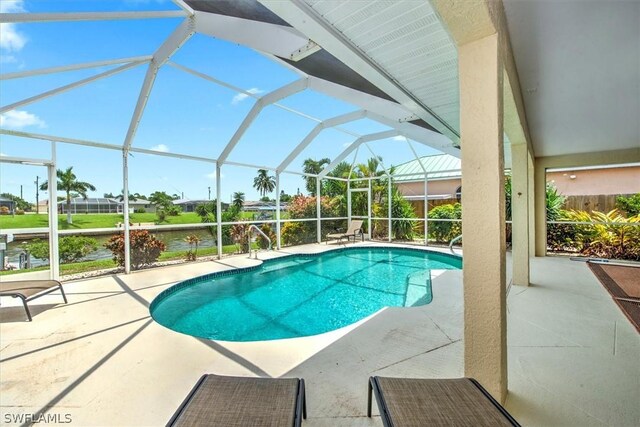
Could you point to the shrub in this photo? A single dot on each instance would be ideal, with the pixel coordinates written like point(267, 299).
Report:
point(140, 210)
point(401, 208)
point(238, 233)
point(145, 248)
point(302, 207)
point(445, 231)
point(554, 202)
point(70, 248)
point(19, 212)
point(295, 233)
point(161, 215)
point(264, 243)
point(4, 210)
point(192, 240)
point(630, 205)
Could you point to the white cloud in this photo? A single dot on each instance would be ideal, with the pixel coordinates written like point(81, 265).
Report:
point(8, 59)
point(10, 39)
point(242, 96)
point(161, 148)
point(18, 119)
point(399, 138)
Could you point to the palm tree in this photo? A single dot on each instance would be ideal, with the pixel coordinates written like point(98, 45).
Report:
point(264, 183)
point(68, 182)
point(313, 167)
point(238, 200)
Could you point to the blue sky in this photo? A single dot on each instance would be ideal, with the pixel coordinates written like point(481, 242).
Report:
point(185, 114)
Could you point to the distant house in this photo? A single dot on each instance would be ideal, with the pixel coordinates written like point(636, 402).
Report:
point(584, 188)
point(9, 204)
point(138, 204)
point(444, 184)
point(91, 205)
point(189, 205)
point(260, 206)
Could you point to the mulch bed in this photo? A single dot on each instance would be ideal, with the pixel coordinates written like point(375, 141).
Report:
point(623, 283)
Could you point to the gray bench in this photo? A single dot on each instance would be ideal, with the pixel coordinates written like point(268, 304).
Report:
point(29, 290)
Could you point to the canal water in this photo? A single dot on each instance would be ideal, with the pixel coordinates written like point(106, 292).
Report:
point(174, 240)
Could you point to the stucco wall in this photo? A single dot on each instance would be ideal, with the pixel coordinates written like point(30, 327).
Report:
point(597, 181)
point(446, 186)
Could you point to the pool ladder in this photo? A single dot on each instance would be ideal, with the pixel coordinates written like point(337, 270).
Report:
point(455, 239)
point(255, 227)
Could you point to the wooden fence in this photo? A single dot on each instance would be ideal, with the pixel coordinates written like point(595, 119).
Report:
point(601, 203)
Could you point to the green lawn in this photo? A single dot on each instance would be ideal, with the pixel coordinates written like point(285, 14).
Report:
point(81, 221)
point(90, 220)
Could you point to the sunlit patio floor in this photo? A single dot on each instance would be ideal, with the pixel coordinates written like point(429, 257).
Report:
point(101, 359)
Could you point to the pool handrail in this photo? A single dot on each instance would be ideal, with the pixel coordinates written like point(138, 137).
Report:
point(255, 227)
point(455, 239)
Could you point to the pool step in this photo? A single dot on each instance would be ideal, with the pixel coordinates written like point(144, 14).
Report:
point(418, 289)
point(281, 265)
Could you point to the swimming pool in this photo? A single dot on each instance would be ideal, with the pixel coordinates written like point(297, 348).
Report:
point(300, 295)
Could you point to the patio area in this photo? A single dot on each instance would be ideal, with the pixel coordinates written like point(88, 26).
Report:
point(101, 359)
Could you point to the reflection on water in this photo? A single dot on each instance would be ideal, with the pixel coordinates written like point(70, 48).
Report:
point(173, 239)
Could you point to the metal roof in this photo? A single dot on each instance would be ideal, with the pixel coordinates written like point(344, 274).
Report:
point(91, 201)
point(440, 166)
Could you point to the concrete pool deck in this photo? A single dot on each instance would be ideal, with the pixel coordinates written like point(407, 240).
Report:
point(101, 359)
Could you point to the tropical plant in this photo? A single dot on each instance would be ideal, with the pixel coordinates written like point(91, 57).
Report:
point(68, 182)
point(262, 242)
point(335, 188)
point(238, 200)
point(401, 208)
point(615, 236)
point(145, 248)
point(239, 234)
point(164, 203)
point(630, 204)
point(313, 167)
point(264, 182)
point(70, 248)
point(554, 202)
point(445, 231)
point(192, 240)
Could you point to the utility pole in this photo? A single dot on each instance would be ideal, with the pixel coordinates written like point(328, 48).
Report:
point(37, 194)
point(21, 191)
point(209, 188)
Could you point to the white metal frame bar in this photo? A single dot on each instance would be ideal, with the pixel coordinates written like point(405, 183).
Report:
point(175, 40)
point(307, 140)
point(355, 144)
point(54, 256)
point(260, 104)
point(73, 67)
point(68, 87)
point(16, 18)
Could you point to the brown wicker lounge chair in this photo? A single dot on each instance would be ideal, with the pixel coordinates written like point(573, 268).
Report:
point(29, 290)
point(436, 402)
point(355, 229)
point(241, 401)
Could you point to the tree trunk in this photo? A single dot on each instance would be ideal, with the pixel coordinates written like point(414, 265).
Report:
point(69, 220)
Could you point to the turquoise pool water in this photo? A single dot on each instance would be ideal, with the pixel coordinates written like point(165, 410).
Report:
point(300, 295)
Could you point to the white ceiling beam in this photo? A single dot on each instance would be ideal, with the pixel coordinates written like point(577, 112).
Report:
point(270, 38)
point(260, 104)
point(16, 18)
point(184, 6)
point(73, 67)
point(175, 40)
point(68, 87)
point(358, 142)
point(329, 123)
point(302, 16)
point(419, 134)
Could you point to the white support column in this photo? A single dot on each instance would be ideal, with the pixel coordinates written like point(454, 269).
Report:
point(520, 213)
point(125, 211)
point(218, 210)
point(426, 210)
point(369, 211)
point(318, 210)
point(532, 203)
point(483, 214)
point(349, 201)
point(390, 206)
point(278, 225)
point(54, 257)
